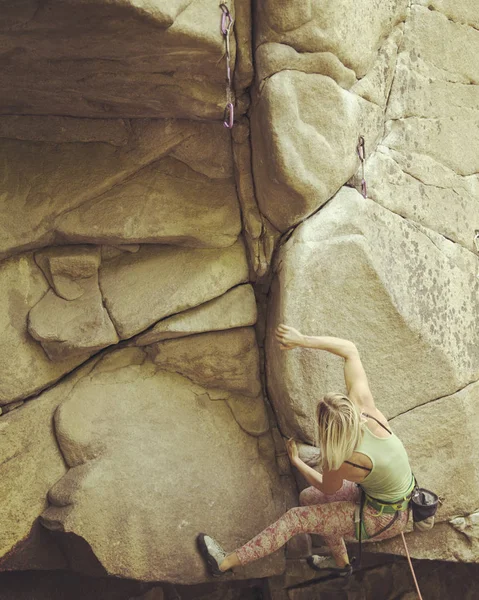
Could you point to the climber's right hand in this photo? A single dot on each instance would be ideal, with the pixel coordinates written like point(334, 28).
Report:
point(288, 337)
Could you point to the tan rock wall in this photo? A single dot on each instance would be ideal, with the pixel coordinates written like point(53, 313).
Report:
point(134, 225)
point(130, 214)
point(397, 273)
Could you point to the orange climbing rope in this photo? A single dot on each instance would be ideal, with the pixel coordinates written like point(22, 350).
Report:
point(411, 567)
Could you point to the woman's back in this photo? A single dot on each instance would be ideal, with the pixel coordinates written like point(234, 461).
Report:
point(390, 478)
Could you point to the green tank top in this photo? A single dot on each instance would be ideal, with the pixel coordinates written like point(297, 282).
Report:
point(391, 477)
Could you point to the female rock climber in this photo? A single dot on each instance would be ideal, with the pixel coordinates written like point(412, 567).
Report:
point(357, 447)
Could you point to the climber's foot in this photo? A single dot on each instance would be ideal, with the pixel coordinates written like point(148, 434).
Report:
point(212, 552)
point(328, 566)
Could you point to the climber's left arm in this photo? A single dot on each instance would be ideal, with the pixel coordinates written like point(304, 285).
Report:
point(329, 482)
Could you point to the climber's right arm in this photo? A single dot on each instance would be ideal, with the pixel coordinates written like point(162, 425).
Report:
point(354, 375)
point(290, 338)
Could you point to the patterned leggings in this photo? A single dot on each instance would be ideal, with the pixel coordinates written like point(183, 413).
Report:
point(330, 516)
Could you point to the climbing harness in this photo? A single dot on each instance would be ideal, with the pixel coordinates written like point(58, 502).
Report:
point(226, 28)
point(362, 157)
point(382, 507)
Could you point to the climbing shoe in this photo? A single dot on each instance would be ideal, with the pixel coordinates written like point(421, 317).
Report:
point(327, 565)
point(212, 552)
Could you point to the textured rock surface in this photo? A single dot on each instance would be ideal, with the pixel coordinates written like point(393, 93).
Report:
point(71, 320)
point(44, 193)
point(236, 308)
point(163, 280)
point(125, 433)
point(415, 321)
point(25, 367)
point(226, 359)
point(352, 36)
point(423, 170)
point(305, 130)
point(30, 462)
point(91, 58)
point(305, 123)
point(129, 212)
point(205, 211)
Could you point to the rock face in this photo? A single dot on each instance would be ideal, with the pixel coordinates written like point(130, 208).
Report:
point(30, 462)
point(125, 433)
point(188, 278)
point(226, 359)
point(147, 253)
point(309, 115)
point(415, 321)
point(396, 273)
point(26, 368)
point(45, 197)
point(101, 53)
point(82, 324)
point(236, 308)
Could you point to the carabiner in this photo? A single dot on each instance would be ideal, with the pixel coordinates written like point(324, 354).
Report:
point(361, 149)
point(229, 116)
point(364, 188)
point(226, 20)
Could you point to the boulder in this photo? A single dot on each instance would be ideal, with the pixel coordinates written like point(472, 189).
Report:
point(30, 462)
point(414, 320)
point(134, 467)
point(354, 36)
point(173, 204)
point(227, 360)
point(90, 59)
point(67, 268)
point(71, 321)
point(236, 308)
point(140, 187)
point(274, 57)
point(305, 131)
point(140, 289)
point(25, 367)
point(249, 413)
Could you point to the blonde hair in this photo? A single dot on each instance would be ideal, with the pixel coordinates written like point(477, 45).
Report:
point(340, 429)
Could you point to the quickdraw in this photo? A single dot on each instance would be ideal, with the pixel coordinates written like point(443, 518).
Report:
point(226, 28)
point(362, 158)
